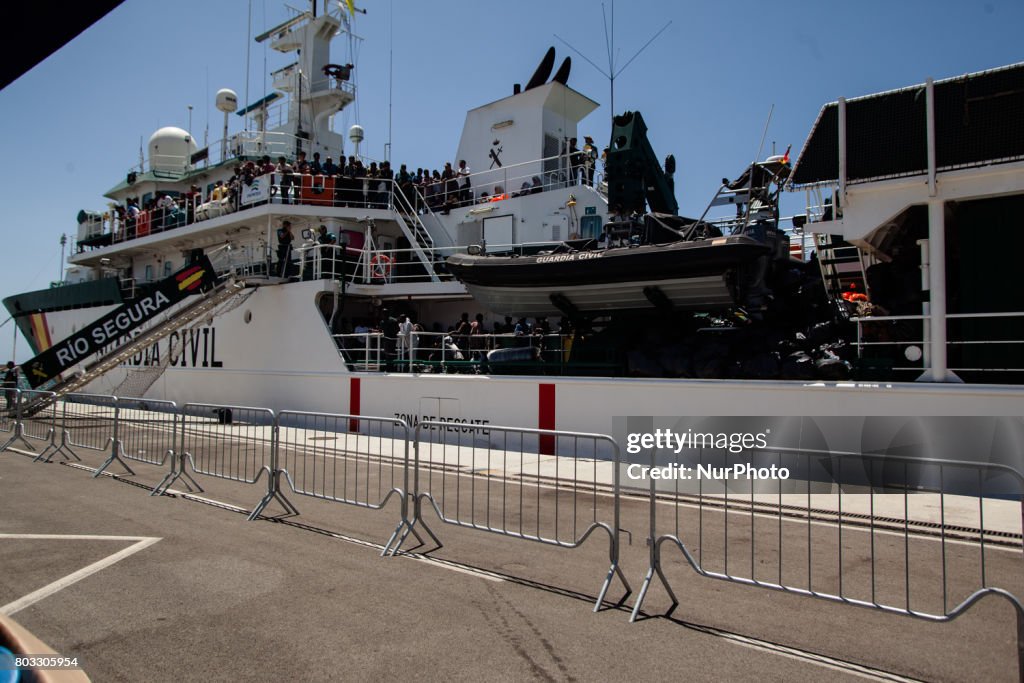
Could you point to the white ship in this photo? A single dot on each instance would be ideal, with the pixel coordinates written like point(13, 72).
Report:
point(283, 329)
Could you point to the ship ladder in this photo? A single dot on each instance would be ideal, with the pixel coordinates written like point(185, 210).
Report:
point(416, 232)
point(211, 300)
point(835, 259)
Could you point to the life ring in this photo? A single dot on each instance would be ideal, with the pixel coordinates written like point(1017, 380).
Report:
point(380, 266)
point(341, 73)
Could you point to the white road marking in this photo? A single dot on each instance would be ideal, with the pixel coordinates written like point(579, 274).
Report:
point(141, 543)
point(851, 668)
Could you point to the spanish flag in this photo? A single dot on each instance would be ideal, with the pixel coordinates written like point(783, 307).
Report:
point(351, 7)
point(785, 157)
point(191, 279)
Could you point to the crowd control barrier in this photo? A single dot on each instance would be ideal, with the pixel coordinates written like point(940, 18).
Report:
point(320, 457)
point(506, 487)
point(34, 420)
point(230, 442)
point(89, 421)
point(871, 540)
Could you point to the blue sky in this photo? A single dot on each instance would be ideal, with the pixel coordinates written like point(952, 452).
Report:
point(705, 86)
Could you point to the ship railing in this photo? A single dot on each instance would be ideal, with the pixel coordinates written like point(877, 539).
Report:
point(364, 351)
point(820, 202)
point(512, 180)
point(371, 266)
point(242, 146)
point(981, 344)
point(335, 192)
point(420, 351)
point(381, 265)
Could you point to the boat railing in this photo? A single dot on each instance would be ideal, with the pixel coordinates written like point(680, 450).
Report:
point(363, 350)
point(527, 177)
point(118, 225)
point(820, 202)
point(381, 265)
point(242, 146)
point(982, 344)
point(370, 266)
point(447, 352)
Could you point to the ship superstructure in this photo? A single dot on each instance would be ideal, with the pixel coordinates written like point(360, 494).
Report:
point(314, 324)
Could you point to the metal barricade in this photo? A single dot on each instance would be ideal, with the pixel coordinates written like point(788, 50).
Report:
point(148, 432)
point(896, 534)
point(506, 487)
point(9, 412)
point(237, 443)
point(8, 417)
point(322, 456)
point(37, 421)
point(89, 421)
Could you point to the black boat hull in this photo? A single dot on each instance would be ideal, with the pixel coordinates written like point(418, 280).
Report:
point(697, 275)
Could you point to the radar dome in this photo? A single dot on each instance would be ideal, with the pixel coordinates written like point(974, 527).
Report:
point(170, 149)
point(227, 100)
point(355, 133)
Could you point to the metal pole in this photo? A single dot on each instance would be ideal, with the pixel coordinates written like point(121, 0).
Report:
point(842, 156)
point(60, 266)
point(224, 140)
point(930, 126)
point(926, 348)
point(936, 323)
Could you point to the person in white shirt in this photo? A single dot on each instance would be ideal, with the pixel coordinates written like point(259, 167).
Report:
point(465, 187)
point(405, 349)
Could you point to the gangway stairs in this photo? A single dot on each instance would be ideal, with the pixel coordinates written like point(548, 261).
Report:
point(841, 265)
point(217, 295)
point(416, 232)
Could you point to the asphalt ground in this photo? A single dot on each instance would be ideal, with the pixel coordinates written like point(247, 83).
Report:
point(308, 597)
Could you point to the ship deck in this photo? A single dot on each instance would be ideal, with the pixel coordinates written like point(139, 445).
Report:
point(182, 587)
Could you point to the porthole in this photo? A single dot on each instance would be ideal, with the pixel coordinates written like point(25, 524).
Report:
point(248, 317)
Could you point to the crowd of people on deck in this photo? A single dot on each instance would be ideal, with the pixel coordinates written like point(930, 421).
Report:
point(347, 182)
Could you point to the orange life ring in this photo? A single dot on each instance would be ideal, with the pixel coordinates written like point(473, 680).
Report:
point(380, 266)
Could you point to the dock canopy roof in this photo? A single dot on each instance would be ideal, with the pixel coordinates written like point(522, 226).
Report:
point(977, 122)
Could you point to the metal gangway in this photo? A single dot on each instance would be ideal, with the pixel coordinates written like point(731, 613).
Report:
point(221, 292)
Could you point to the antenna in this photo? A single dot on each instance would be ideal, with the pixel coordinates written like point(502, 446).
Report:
point(760, 147)
point(60, 266)
point(248, 49)
point(391, 61)
point(611, 74)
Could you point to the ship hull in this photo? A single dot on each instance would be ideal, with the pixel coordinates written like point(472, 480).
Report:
point(284, 358)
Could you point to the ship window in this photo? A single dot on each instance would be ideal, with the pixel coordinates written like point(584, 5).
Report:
point(146, 199)
point(167, 268)
point(149, 273)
